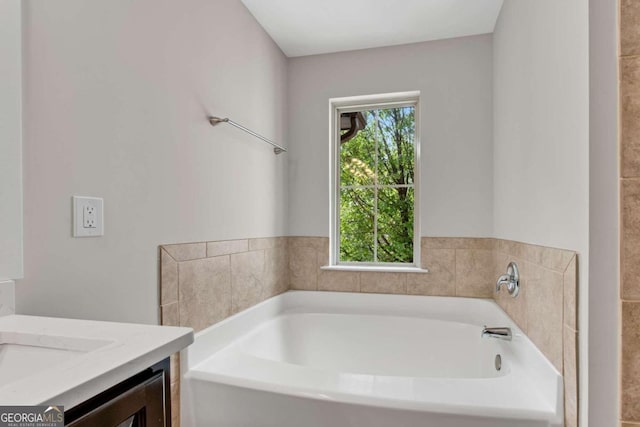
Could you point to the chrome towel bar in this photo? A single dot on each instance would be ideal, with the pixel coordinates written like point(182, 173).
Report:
point(276, 148)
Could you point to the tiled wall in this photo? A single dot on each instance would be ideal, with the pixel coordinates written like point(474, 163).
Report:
point(203, 283)
point(630, 209)
point(457, 267)
point(546, 308)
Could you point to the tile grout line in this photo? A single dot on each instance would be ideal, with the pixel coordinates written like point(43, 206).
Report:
point(162, 249)
point(178, 286)
point(230, 312)
point(455, 272)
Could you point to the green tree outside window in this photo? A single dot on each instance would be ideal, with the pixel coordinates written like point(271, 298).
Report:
point(376, 196)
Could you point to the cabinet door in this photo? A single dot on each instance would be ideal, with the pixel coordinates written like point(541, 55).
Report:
point(140, 406)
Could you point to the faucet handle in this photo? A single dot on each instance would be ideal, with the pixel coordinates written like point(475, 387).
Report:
point(511, 280)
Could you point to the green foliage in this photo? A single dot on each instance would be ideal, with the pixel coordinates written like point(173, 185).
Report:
point(376, 187)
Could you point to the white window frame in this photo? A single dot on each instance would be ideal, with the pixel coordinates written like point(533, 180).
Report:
point(362, 103)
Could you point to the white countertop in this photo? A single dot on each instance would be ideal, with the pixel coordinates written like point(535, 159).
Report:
point(85, 357)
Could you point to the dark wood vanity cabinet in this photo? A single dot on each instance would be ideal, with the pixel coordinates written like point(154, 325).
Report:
point(140, 401)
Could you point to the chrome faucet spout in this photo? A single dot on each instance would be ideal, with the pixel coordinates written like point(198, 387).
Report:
point(501, 333)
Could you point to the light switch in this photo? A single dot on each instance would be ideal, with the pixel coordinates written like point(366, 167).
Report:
point(88, 218)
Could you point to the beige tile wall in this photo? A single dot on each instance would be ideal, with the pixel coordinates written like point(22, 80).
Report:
point(457, 267)
point(203, 283)
point(630, 210)
point(546, 309)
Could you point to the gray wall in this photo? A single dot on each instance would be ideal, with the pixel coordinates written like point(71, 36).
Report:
point(116, 97)
point(604, 403)
point(541, 129)
point(454, 77)
point(10, 140)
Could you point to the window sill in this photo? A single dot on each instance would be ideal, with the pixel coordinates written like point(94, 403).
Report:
point(374, 268)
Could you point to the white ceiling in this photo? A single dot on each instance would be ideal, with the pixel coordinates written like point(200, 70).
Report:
point(309, 27)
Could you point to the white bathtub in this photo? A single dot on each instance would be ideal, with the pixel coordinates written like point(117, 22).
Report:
point(319, 359)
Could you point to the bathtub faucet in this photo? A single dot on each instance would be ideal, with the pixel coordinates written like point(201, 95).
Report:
point(501, 333)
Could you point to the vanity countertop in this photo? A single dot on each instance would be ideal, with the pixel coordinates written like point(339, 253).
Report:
point(57, 361)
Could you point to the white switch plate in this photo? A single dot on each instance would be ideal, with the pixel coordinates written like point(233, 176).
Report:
point(88, 216)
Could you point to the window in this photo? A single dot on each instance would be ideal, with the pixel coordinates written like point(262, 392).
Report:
point(374, 180)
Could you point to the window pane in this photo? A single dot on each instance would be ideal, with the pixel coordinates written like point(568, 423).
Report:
point(357, 225)
point(357, 155)
point(395, 225)
point(376, 167)
point(396, 141)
